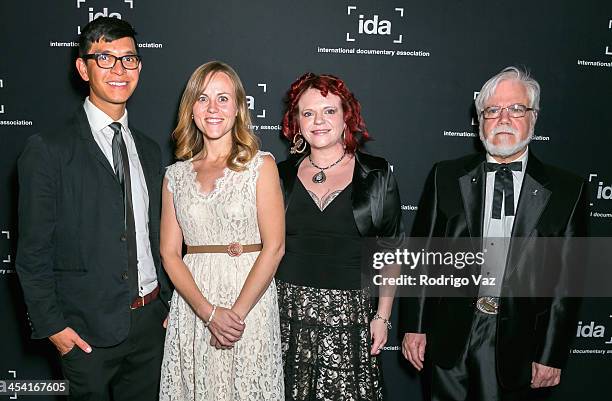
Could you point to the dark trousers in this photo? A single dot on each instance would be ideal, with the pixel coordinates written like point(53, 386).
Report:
point(127, 371)
point(474, 378)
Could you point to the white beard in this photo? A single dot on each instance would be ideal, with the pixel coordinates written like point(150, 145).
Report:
point(504, 150)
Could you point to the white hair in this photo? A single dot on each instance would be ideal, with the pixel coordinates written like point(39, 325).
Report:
point(509, 73)
point(488, 89)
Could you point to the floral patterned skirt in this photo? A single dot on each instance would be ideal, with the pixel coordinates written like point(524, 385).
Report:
point(325, 337)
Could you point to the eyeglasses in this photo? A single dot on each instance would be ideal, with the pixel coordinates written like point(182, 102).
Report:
point(514, 111)
point(108, 61)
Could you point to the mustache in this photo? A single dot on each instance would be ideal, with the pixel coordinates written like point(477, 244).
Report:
point(505, 129)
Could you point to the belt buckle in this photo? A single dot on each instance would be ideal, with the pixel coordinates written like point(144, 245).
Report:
point(234, 249)
point(139, 304)
point(488, 305)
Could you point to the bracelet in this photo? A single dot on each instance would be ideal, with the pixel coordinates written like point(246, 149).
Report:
point(212, 314)
point(385, 321)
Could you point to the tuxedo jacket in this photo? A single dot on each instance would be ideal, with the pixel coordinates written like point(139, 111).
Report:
point(72, 256)
point(375, 198)
point(552, 203)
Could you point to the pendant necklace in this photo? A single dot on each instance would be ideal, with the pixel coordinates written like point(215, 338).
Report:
point(320, 177)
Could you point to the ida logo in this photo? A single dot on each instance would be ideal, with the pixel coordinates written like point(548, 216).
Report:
point(475, 120)
point(591, 330)
point(374, 24)
point(373, 27)
point(608, 48)
point(603, 191)
point(6, 266)
point(93, 14)
point(104, 13)
point(260, 112)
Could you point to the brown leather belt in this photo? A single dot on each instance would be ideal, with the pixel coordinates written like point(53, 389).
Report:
point(142, 301)
point(232, 249)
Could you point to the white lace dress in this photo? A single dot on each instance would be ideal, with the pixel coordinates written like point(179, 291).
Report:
point(192, 369)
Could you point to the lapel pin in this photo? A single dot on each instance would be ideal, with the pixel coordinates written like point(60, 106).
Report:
point(535, 192)
point(473, 180)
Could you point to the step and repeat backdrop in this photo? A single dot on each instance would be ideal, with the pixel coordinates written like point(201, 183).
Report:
point(415, 66)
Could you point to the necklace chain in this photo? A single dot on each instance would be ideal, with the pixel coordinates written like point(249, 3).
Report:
point(328, 167)
point(320, 177)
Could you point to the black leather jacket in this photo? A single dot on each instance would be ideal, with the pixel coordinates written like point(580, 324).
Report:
point(376, 201)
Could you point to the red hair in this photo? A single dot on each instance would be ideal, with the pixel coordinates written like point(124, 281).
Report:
point(355, 133)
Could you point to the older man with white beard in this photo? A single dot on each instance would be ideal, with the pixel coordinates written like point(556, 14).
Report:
point(490, 344)
point(505, 131)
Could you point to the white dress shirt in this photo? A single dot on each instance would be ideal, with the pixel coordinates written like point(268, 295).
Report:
point(497, 232)
point(103, 135)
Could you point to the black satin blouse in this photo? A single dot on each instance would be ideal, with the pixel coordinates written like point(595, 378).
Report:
point(375, 197)
point(322, 247)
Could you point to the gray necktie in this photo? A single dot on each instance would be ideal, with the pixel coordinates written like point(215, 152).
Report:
point(121, 163)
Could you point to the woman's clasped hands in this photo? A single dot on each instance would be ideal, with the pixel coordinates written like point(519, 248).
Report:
point(225, 325)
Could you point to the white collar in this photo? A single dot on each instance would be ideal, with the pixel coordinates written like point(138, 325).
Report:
point(522, 158)
point(98, 120)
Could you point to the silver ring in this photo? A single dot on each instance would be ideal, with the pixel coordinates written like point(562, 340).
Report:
point(488, 305)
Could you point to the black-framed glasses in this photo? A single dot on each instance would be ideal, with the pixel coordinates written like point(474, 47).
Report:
point(514, 111)
point(108, 61)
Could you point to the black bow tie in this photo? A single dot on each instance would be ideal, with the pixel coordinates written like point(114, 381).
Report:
point(504, 187)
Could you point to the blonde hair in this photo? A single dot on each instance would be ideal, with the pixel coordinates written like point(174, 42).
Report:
point(188, 138)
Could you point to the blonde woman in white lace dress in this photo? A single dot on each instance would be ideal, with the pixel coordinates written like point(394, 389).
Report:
point(223, 201)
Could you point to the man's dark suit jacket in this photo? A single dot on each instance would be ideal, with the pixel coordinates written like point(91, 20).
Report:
point(72, 253)
point(552, 203)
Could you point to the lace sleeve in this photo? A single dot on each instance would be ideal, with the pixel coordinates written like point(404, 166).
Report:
point(170, 176)
point(258, 161)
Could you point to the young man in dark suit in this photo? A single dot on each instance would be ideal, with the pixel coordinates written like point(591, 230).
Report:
point(500, 343)
point(88, 249)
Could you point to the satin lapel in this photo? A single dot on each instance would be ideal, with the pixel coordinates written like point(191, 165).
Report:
point(532, 202)
point(90, 143)
point(289, 177)
point(360, 198)
point(472, 187)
